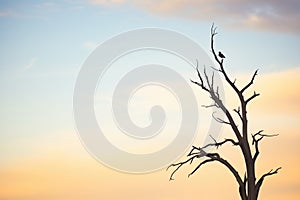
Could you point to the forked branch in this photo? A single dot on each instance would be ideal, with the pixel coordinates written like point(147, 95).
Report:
point(199, 152)
point(213, 33)
point(256, 138)
point(262, 178)
point(252, 97)
point(218, 144)
point(201, 83)
point(251, 82)
point(208, 86)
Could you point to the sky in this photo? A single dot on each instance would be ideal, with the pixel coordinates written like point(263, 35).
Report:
point(44, 45)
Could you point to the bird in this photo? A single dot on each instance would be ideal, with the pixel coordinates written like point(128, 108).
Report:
point(221, 55)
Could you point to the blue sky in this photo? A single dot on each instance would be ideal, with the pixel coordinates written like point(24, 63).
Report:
point(54, 34)
point(43, 45)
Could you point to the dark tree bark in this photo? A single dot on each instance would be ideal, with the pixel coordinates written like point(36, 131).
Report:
point(249, 185)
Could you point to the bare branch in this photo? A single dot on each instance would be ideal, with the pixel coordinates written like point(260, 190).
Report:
point(265, 135)
point(219, 119)
point(252, 97)
point(217, 92)
point(216, 97)
point(198, 152)
point(232, 84)
point(218, 70)
point(251, 82)
point(261, 180)
point(212, 105)
point(220, 62)
point(201, 84)
point(238, 111)
point(256, 140)
point(218, 144)
point(216, 157)
point(180, 164)
point(202, 163)
point(234, 81)
point(213, 30)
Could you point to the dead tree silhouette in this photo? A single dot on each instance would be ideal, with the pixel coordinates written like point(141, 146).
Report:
point(249, 185)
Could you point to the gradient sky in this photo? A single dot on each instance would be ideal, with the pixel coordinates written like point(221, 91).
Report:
point(44, 43)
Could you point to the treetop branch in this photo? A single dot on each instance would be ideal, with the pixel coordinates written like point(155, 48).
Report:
point(251, 82)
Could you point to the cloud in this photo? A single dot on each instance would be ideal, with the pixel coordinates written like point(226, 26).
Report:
point(270, 15)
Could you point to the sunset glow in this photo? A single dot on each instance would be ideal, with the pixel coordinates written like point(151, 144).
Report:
point(43, 47)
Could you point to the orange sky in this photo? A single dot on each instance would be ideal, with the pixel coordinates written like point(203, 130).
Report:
point(64, 170)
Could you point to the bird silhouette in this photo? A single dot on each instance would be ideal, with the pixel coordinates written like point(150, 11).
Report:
point(221, 55)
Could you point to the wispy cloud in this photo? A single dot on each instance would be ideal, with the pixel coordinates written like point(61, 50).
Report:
point(271, 15)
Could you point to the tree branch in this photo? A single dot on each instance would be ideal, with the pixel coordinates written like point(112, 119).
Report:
point(238, 111)
point(219, 119)
point(256, 138)
point(218, 144)
point(211, 105)
point(261, 180)
point(198, 152)
point(180, 164)
point(251, 82)
point(216, 157)
point(213, 33)
point(201, 84)
point(252, 97)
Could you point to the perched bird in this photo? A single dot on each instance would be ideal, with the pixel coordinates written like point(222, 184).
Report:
point(221, 55)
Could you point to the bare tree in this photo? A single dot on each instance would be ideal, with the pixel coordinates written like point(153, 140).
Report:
point(249, 185)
